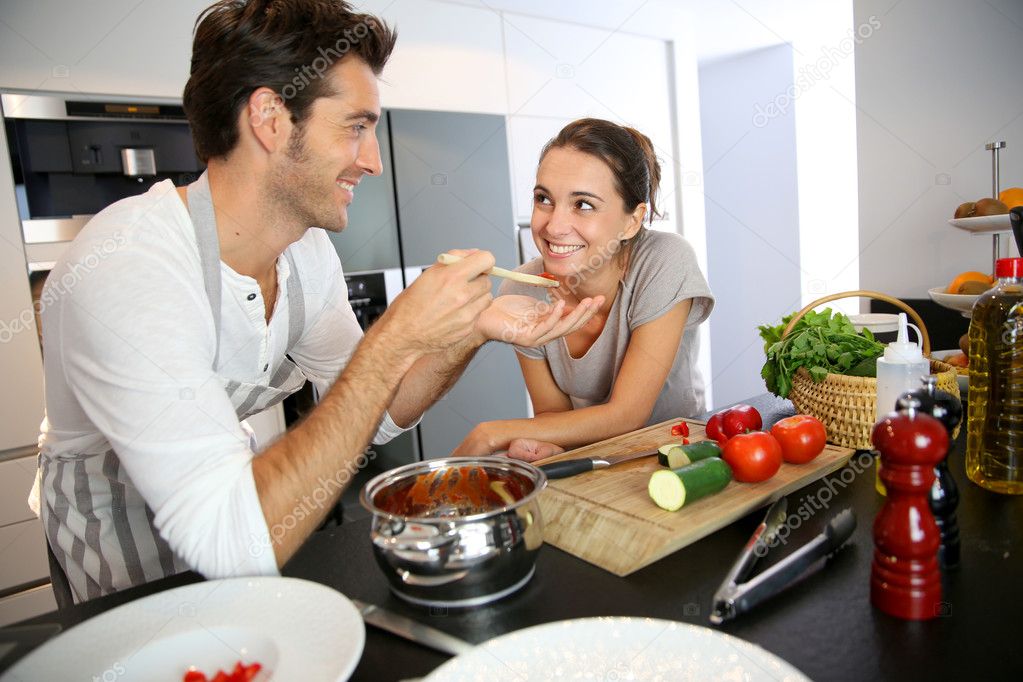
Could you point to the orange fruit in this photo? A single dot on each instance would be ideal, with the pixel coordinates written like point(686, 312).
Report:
point(1011, 197)
point(956, 285)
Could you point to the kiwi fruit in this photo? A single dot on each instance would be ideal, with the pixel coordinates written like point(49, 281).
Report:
point(972, 287)
point(966, 210)
point(990, 207)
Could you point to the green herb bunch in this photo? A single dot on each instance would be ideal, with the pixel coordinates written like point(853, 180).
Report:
point(823, 343)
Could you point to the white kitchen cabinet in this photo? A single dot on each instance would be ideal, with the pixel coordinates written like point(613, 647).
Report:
point(27, 604)
point(449, 57)
point(557, 69)
point(560, 72)
point(20, 359)
point(526, 137)
point(23, 548)
point(16, 478)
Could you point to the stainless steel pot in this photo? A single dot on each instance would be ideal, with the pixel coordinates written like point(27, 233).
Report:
point(457, 560)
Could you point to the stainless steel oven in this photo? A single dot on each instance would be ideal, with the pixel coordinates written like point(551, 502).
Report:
point(73, 155)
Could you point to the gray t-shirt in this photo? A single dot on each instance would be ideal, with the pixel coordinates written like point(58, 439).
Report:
point(662, 273)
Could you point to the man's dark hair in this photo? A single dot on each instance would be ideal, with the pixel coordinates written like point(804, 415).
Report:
point(285, 45)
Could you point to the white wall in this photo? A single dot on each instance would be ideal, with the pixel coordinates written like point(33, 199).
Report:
point(824, 101)
point(937, 80)
point(752, 210)
point(112, 47)
point(542, 73)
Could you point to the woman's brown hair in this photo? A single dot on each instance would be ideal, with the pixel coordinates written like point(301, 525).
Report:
point(626, 151)
point(285, 45)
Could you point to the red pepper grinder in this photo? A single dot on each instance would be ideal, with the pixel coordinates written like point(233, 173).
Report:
point(905, 579)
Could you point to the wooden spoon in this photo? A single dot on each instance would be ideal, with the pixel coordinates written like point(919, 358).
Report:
point(448, 259)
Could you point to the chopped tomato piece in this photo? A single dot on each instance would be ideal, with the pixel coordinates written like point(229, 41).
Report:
point(240, 673)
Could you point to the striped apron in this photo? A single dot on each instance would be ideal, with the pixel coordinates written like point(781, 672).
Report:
point(100, 529)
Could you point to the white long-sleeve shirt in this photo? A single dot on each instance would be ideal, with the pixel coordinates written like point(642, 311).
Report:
point(137, 417)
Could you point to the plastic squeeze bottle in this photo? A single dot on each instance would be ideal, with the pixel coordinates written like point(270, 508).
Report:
point(899, 370)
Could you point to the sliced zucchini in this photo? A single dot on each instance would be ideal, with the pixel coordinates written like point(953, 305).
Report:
point(664, 449)
point(677, 456)
point(672, 489)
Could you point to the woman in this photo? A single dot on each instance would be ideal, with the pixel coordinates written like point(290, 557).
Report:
point(634, 363)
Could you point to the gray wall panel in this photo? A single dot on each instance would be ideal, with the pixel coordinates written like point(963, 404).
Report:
point(454, 191)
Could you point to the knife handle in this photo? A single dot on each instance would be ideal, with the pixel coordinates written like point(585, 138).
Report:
point(567, 467)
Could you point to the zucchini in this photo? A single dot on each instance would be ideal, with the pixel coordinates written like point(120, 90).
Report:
point(664, 449)
point(676, 456)
point(671, 489)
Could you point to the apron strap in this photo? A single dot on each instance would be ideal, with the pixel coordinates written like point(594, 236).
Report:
point(296, 304)
point(200, 207)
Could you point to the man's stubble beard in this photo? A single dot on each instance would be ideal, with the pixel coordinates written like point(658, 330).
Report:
point(289, 191)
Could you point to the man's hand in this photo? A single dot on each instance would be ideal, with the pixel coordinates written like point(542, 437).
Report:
point(530, 450)
point(440, 309)
point(525, 321)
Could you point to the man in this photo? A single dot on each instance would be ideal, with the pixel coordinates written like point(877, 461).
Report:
point(219, 300)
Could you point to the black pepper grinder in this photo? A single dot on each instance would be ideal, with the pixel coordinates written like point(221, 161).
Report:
point(944, 497)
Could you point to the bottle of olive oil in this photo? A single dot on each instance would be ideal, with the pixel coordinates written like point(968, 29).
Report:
point(994, 441)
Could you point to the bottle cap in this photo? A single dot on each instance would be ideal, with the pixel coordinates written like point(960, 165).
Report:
point(902, 350)
point(1009, 267)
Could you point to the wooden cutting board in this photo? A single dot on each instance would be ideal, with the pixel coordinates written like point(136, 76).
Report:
point(607, 518)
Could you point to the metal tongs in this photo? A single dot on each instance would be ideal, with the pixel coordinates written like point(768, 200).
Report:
point(735, 597)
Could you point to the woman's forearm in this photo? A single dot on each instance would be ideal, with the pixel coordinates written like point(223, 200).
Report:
point(569, 429)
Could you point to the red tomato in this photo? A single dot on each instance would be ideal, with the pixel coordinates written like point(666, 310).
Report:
point(801, 438)
point(195, 676)
point(714, 428)
point(754, 457)
point(740, 419)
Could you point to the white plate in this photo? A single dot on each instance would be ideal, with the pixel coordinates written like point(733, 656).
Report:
point(615, 649)
point(961, 302)
point(984, 223)
point(297, 630)
point(964, 379)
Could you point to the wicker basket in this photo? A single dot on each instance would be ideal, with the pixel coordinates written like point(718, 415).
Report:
point(847, 405)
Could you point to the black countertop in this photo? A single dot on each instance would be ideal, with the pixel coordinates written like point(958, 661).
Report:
point(825, 626)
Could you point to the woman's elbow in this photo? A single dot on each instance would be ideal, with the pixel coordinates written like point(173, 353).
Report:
point(630, 418)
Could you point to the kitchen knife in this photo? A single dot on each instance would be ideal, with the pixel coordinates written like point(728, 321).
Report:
point(571, 467)
point(411, 630)
point(1016, 218)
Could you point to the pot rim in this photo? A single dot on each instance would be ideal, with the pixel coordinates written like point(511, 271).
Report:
point(379, 481)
